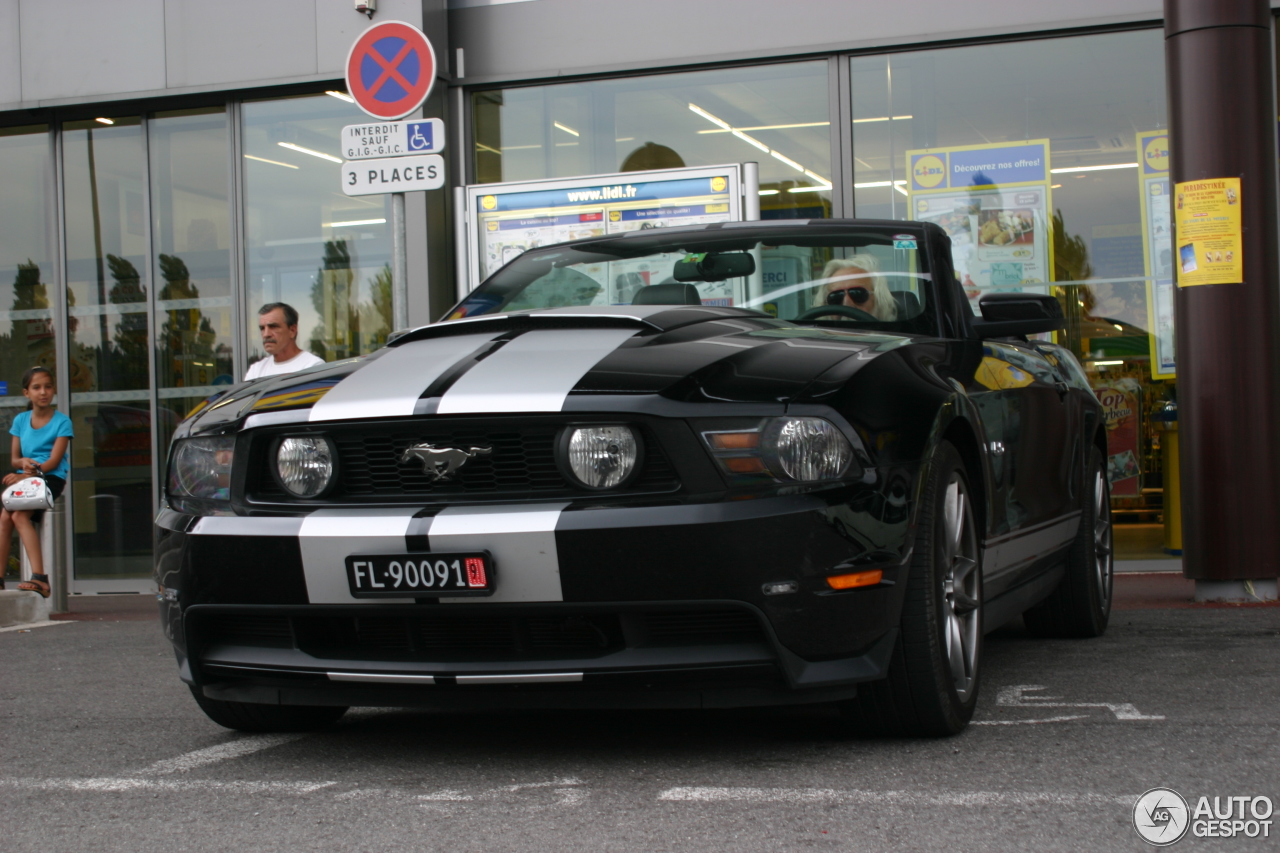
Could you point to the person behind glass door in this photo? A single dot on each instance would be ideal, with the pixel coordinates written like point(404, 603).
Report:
point(858, 283)
point(41, 436)
point(278, 325)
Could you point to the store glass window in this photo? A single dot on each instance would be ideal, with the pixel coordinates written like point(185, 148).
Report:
point(776, 115)
point(191, 244)
point(108, 279)
point(1047, 162)
point(26, 272)
point(306, 243)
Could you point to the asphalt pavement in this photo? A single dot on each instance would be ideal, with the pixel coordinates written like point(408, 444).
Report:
point(104, 750)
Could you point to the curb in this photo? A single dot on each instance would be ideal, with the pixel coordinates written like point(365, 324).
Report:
point(19, 607)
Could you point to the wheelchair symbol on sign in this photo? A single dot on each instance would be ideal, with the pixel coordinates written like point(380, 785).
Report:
point(417, 140)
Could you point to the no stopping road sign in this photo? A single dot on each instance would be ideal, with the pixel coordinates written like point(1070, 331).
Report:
point(390, 69)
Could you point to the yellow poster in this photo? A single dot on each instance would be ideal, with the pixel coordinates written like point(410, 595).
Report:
point(1207, 216)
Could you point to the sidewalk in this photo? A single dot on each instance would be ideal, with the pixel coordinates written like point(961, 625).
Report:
point(109, 608)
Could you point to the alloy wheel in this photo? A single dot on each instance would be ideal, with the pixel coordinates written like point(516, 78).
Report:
point(961, 583)
point(1104, 567)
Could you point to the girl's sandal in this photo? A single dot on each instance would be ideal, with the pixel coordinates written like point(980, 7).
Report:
point(39, 584)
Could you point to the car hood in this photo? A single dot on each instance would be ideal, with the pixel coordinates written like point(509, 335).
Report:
point(537, 361)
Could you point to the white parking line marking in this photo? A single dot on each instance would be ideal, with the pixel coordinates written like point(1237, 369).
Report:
point(110, 784)
point(830, 795)
point(1029, 722)
point(554, 783)
point(567, 791)
point(29, 625)
point(223, 751)
point(1016, 696)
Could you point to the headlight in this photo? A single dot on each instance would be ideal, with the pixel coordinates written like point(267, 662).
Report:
point(808, 449)
point(305, 465)
point(600, 457)
point(201, 468)
point(785, 450)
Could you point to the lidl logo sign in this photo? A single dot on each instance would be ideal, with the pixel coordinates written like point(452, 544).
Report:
point(928, 171)
point(1155, 154)
point(488, 202)
point(718, 184)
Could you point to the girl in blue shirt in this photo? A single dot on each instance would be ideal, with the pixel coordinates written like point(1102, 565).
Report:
point(39, 449)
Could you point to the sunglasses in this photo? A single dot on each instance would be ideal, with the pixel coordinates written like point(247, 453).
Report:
point(857, 295)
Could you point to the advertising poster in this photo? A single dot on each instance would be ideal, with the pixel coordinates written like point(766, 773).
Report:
point(1208, 228)
point(1120, 410)
point(505, 220)
point(1157, 249)
point(994, 201)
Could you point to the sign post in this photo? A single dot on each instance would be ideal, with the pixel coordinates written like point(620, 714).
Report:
point(390, 71)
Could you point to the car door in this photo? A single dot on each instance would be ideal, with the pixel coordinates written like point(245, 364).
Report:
point(1031, 461)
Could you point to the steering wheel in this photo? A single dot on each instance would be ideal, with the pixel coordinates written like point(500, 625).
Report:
point(839, 311)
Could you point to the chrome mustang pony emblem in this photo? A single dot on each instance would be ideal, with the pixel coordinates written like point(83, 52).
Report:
point(440, 463)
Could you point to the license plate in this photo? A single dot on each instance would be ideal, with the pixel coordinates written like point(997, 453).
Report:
point(403, 575)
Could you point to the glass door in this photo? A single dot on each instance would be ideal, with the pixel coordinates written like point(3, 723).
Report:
point(27, 278)
point(191, 237)
point(108, 390)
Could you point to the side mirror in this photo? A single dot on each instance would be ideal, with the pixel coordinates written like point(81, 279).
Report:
point(714, 266)
point(1007, 315)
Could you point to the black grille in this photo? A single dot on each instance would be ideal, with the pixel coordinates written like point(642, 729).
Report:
point(521, 463)
point(451, 636)
point(700, 627)
point(250, 630)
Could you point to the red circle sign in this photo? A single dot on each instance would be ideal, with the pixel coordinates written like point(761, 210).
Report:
point(390, 69)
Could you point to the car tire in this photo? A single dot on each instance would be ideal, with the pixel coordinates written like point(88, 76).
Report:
point(253, 717)
point(932, 683)
point(1080, 606)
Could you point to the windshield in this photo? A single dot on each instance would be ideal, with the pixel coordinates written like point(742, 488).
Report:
point(869, 277)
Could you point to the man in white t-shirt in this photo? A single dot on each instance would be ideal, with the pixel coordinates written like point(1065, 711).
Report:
point(278, 325)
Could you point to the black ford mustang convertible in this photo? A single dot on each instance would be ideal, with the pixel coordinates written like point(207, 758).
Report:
point(729, 465)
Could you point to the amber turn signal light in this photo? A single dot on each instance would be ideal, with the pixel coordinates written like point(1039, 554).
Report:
point(735, 440)
point(856, 579)
point(744, 464)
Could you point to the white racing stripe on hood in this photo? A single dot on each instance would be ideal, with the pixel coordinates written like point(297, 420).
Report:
point(522, 540)
point(389, 386)
point(329, 536)
point(533, 373)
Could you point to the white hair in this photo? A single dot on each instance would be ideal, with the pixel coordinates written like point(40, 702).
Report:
point(868, 266)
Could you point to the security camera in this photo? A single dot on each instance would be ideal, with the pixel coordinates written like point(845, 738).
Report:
point(367, 6)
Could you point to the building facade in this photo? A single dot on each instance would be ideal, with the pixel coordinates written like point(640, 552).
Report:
point(167, 166)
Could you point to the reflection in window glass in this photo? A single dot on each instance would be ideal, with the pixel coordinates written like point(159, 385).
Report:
point(107, 282)
point(306, 243)
point(26, 274)
point(1090, 97)
point(191, 239)
point(775, 115)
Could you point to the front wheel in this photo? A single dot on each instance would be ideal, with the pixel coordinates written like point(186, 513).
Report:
point(252, 717)
point(1081, 604)
point(932, 685)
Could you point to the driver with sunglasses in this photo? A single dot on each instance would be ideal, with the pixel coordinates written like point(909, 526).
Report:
point(855, 282)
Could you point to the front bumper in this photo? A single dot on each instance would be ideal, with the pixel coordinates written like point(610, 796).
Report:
point(596, 606)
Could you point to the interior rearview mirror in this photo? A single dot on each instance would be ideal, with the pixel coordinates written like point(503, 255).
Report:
point(714, 266)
